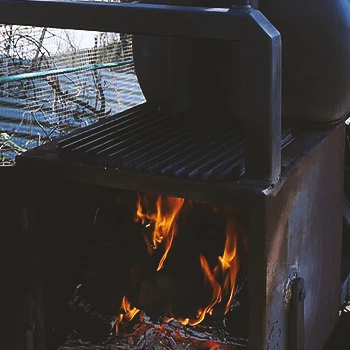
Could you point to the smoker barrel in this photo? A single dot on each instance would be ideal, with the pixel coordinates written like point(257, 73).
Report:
point(316, 56)
point(261, 57)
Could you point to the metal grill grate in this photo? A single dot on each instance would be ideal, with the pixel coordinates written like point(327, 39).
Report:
point(144, 138)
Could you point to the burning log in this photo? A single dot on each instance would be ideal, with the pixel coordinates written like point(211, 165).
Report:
point(163, 335)
point(88, 322)
point(143, 332)
point(236, 320)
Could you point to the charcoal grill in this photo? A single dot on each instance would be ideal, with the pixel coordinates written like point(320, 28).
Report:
point(282, 181)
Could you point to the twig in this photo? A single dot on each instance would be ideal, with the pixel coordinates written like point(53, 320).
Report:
point(54, 83)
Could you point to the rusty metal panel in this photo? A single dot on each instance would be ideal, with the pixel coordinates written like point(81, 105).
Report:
point(304, 229)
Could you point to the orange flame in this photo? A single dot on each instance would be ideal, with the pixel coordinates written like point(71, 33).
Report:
point(226, 271)
point(210, 280)
point(228, 264)
point(129, 313)
point(163, 219)
point(160, 214)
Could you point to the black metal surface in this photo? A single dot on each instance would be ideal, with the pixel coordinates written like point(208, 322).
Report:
point(136, 18)
point(304, 238)
point(241, 2)
point(345, 273)
point(147, 139)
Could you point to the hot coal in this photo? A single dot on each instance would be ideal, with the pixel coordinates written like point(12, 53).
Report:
point(174, 335)
point(170, 335)
point(90, 326)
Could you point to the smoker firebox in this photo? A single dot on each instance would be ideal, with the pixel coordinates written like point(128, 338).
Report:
point(98, 244)
point(293, 232)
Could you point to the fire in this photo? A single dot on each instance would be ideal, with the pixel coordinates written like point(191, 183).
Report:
point(210, 280)
point(127, 316)
point(228, 263)
point(129, 312)
point(159, 215)
point(225, 271)
point(163, 220)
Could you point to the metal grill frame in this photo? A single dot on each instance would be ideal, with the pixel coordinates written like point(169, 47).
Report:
point(241, 23)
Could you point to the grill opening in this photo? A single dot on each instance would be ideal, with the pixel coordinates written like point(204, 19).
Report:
point(100, 266)
point(54, 81)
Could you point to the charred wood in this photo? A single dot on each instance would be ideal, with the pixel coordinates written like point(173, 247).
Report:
point(88, 322)
point(236, 320)
point(162, 336)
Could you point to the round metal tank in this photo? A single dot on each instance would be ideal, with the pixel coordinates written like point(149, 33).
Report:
point(316, 57)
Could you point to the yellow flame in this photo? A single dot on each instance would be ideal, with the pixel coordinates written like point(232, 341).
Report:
point(228, 263)
point(159, 214)
point(226, 271)
point(216, 292)
point(128, 315)
point(163, 218)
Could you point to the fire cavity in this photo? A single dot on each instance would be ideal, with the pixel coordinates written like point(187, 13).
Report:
point(182, 258)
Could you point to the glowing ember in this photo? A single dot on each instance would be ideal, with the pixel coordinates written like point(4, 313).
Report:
point(163, 219)
point(172, 335)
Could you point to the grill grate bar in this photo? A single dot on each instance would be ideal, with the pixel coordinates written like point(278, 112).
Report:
point(146, 139)
point(201, 155)
point(229, 167)
point(170, 149)
point(96, 142)
point(82, 136)
point(213, 165)
point(183, 152)
point(126, 137)
point(142, 147)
